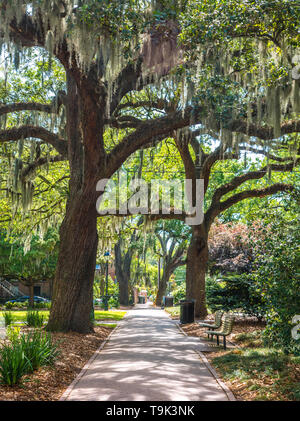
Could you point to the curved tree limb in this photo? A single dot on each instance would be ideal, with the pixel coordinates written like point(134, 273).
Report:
point(23, 132)
point(51, 108)
point(251, 175)
point(246, 194)
point(39, 163)
point(264, 133)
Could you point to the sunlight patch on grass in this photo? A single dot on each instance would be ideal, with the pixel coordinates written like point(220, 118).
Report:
point(109, 315)
point(20, 315)
point(110, 325)
point(174, 311)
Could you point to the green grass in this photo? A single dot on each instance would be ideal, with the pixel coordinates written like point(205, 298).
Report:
point(110, 325)
point(267, 372)
point(20, 315)
point(109, 315)
point(174, 311)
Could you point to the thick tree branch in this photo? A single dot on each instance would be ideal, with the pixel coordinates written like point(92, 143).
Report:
point(146, 132)
point(251, 175)
point(24, 32)
point(51, 108)
point(267, 154)
point(220, 207)
point(169, 213)
point(265, 133)
point(24, 132)
point(39, 163)
point(159, 104)
point(274, 188)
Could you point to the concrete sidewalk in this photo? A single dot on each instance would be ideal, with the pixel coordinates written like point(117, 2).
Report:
point(147, 359)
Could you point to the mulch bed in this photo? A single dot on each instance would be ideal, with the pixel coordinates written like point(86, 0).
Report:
point(49, 383)
point(243, 389)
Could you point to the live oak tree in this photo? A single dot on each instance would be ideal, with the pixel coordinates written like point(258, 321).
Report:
point(240, 83)
point(105, 57)
point(172, 237)
point(251, 52)
point(247, 84)
point(124, 250)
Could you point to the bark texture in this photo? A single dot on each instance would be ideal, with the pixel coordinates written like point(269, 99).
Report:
point(73, 285)
point(197, 259)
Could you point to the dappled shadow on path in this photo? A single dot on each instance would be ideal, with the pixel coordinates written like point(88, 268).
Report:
point(148, 359)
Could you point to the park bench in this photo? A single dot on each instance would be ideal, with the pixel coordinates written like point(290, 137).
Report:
point(225, 330)
point(217, 323)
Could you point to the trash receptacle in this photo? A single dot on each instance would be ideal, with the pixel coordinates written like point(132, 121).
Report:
point(141, 299)
point(168, 302)
point(187, 309)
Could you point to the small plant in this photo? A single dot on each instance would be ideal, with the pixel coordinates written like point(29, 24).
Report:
point(42, 305)
point(8, 305)
point(39, 349)
point(13, 333)
point(8, 317)
point(34, 318)
point(24, 354)
point(13, 363)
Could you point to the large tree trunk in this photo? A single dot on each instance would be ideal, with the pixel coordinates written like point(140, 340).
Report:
point(73, 286)
point(197, 258)
point(72, 301)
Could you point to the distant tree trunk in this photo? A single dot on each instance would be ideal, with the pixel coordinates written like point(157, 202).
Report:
point(163, 285)
point(123, 264)
point(31, 296)
point(197, 260)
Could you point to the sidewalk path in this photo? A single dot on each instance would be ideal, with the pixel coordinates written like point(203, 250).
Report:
point(147, 359)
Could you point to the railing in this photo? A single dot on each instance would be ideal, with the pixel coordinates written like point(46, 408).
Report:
point(9, 288)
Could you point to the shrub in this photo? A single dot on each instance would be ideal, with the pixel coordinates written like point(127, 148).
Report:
point(179, 293)
point(237, 292)
point(25, 353)
point(34, 318)
point(42, 305)
point(13, 363)
point(9, 305)
point(277, 280)
point(13, 333)
point(112, 302)
point(39, 348)
point(8, 317)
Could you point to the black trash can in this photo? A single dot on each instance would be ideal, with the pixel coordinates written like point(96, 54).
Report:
point(141, 299)
point(187, 311)
point(168, 302)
